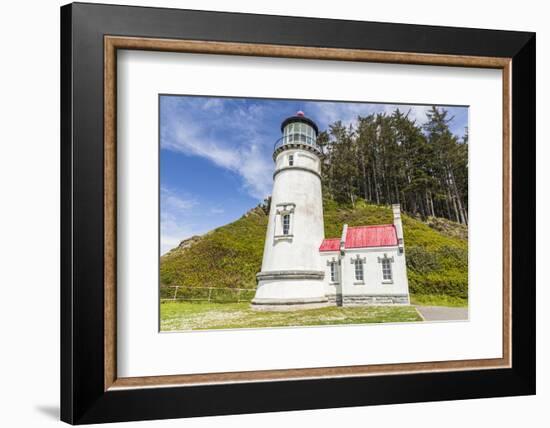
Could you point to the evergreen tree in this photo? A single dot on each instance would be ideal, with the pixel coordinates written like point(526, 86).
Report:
point(391, 159)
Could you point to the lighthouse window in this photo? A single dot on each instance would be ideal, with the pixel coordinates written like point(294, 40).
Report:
point(359, 270)
point(302, 132)
point(283, 221)
point(286, 224)
point(291, 160)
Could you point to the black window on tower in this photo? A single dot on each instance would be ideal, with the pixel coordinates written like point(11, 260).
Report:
point(286, 224)
point(291, 160)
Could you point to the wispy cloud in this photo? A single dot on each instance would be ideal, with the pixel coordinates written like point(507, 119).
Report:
point(173, 230)
point(175, 215)
point(172, 201)
point(214, 105)
point(243, 154)
point(347, 113)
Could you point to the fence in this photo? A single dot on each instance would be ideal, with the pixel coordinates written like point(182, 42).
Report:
point(174, 293)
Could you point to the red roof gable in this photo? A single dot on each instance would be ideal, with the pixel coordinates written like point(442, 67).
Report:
point(371, 236)
point(331, 244)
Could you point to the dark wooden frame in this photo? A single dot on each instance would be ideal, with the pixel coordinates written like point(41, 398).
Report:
point(90, 35)
point(114, 43)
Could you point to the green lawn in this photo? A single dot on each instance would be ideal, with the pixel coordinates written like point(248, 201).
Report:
point(202, 316)
point(438, 300)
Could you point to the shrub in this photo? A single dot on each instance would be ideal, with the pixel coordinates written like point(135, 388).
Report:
point(451, 283)
point(167, 292)
point(453, 257)
point(193, 293)
point(422, 261)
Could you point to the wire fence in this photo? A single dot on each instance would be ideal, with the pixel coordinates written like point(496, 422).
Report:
point(174, 293)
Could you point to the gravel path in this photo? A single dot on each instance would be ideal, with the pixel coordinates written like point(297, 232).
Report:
point(442, 313)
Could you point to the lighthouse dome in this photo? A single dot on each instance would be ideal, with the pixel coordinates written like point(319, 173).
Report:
point(300, 117)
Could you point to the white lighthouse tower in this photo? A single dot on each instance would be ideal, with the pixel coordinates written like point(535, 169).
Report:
point(292, 275)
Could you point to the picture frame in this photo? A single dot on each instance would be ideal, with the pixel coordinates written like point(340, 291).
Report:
point(91, 391)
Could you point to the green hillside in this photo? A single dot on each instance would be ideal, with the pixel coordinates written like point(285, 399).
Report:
point(229, 257)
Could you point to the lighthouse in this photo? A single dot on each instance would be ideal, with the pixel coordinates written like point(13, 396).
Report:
point(292, 274)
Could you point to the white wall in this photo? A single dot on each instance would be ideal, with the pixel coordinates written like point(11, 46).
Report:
point(29, 274)
point(372, 272)
point(373, 284)
point(332, 288)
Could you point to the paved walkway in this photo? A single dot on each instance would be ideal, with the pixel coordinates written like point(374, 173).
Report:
point(442, 313)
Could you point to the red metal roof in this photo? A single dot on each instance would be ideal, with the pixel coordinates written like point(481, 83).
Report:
point(331, 244)
point(371, 236)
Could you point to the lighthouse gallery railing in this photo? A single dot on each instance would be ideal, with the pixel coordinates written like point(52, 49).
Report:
point(295, 139)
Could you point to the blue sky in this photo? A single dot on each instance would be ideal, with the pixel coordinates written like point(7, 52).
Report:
point(215, 154)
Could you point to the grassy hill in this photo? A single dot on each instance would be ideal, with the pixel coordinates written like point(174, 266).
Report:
point(229, 257)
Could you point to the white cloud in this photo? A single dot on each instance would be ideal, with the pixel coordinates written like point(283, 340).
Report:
point(174, 219)
point(416, 113)
point(247, 160)
point(173, 230)
point(345, 112)
point(172, 201)
point(197, 127)
point(214, 105)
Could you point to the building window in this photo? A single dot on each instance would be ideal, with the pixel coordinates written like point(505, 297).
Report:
point(387, 274)
point(333, 271)
point(291, 160)
point(359, 270)
point(358, 263)
point(286, 224)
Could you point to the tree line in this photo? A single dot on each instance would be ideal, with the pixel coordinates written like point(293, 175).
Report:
point(389, 158)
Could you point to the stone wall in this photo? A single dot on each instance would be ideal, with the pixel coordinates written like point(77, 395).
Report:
point(361, 299)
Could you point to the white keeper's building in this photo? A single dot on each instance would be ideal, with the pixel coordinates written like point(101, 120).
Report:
point(300, 268)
